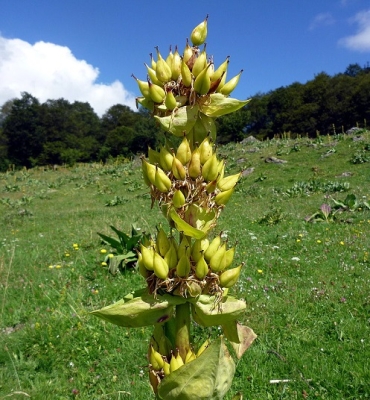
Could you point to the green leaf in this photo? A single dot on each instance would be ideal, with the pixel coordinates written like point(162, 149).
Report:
point(204, 125)
point(116, 261)
point(312, 217)
point(207, 312)
point(132, 242)
point(139, 309)
point(130, 255)
point(200, 217)
point(351, 201)
point(121, 236)
point(184, 227)
point(203, 221)
point(208, 377)
point(221, 105)
point(148, 104)
point(339, 203)
point(126, 243)
point(181, 120)
point(134, 231)
point(112, 242)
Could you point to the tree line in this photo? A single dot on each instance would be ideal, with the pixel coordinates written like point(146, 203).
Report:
point(321, 105)
point(60, 132)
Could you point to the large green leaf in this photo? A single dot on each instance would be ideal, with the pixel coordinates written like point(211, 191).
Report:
point(133, 241)
point(112, 242)
point(207, 312)
point(139, 309)
point(128, 242)
point(180, 121)
point(220, 105)
point(208, 377)
point(123, 237)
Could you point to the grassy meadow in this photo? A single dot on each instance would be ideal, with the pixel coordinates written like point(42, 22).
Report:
point(306, 283)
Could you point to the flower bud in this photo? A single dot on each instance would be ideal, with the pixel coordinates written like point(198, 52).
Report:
point(199, 34)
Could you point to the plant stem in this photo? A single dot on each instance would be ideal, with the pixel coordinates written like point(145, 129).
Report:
point(183, 328)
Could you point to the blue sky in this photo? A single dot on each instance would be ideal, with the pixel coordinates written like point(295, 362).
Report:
point(87, 49)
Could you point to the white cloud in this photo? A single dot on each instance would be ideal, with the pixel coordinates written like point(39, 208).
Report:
point(361, 40)
point(49, 71)
point(322, 19)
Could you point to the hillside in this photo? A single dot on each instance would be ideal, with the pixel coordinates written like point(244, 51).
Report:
point(305, 283)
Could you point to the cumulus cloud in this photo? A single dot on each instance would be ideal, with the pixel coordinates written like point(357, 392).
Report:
point(49, 71)
point(322, 19)
point(361, 40)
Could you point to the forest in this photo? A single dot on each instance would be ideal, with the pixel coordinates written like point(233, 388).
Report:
point(59, 132)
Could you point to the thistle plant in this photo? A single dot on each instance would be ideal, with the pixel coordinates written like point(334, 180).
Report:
point(188, 271)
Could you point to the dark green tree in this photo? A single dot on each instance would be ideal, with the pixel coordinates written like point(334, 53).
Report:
point(71, 132)
point(118, 141)
point(127, 132)
point(322, 104)
point(118, 131)
point(353, 70)
point(147, 133)
point(5, 110)
point(22, 131)
point(338, 107)
point(281, 106)
point(360, 101)
point(85, 130)
point(118, 115)
point(4, 162)
point(259, 122)
point(232, 127)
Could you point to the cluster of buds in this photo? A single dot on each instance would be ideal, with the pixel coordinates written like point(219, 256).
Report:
point(188, 268)
point(187, 278)
point(185, 94)
point(163, 360)
point(178, 80)
point(188, 177)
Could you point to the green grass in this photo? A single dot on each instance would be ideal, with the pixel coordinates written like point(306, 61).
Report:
point(306, 285)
